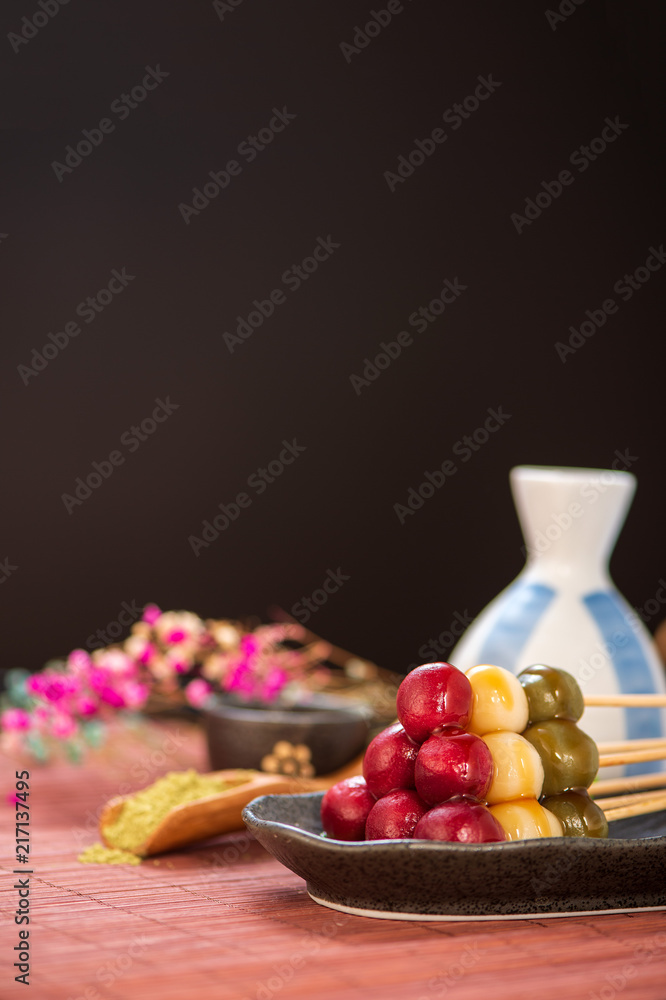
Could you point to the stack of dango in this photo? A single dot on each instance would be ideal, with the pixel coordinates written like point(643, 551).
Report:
point(480, 757)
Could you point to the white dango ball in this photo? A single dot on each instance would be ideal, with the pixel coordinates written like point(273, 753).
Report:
point(517, 768)
point(526, 819)
point(499, 701)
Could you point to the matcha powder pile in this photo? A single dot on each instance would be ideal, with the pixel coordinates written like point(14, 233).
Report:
point(142, 813)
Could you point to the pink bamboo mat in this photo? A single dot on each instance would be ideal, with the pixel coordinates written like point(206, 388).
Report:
point(225, 920)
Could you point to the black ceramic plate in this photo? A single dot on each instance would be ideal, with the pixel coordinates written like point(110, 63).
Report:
point(430, 880)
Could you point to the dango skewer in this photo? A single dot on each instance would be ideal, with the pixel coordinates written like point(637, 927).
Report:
point(486, 756)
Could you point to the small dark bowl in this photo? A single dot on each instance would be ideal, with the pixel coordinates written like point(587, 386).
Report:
point(241, 735)
point(431, 880)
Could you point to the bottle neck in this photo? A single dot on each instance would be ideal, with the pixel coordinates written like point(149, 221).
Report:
point(570, 520)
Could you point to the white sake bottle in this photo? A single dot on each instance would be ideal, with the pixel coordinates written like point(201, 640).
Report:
point(563, 609)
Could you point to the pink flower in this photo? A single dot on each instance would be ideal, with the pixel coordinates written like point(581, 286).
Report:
point(111, 697)
point(197, 691)
point(55, 688)
point(176, 635)
point(139, 649)
point(151, 613)
point(274, 683)
point(35, 684)
point(249, 644)
point(147, 654)
point(15, 719)
point(63, 726)
point(116, 662)
point(79, 661)
point(236, 677)
point(135, 694)
point(86, 706)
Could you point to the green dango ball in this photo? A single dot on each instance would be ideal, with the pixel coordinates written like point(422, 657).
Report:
point(578, 814)
point(569, 756)
point(551, 694)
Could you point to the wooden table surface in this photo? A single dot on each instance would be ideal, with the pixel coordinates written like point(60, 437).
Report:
point(225, 920)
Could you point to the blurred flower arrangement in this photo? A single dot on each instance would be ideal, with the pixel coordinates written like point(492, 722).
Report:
point(172, 655)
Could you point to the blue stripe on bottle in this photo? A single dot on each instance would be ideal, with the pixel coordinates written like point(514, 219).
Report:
point(525, 604)
point(631, 668)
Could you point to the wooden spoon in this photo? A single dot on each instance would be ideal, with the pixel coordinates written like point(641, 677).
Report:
point(222, 812)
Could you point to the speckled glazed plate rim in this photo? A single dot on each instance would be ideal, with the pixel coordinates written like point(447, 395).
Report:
point(285, 840)
point(359, 911)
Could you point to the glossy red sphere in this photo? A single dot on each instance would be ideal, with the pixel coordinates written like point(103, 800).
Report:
point(461, 820)
point(447, 765)
point(433, 697)
point(395, 815)
point(389, 761)
point(345, 809)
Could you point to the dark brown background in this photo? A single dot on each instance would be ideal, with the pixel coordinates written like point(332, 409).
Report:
point(322, 175)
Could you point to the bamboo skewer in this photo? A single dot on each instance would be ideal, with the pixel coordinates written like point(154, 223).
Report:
point(608, 786)
point(648, 743)
point(637, 809)
point(619, 801)
point(631, 757)
point(625, 700)
point(635, 751)
point(636, 801)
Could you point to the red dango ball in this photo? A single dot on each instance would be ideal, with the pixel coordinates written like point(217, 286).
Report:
point(395, 815)
point(446, 765)
point(462, 820)
point(345, 809)
point(433, 697)
point(389, 761)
